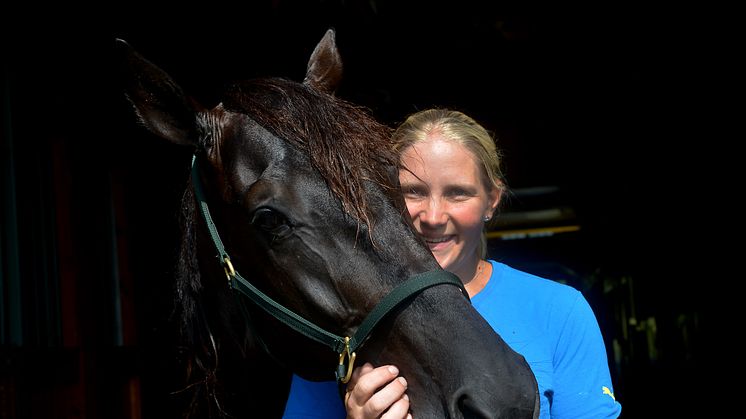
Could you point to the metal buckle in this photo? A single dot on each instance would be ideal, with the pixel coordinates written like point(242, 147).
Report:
point(228, 268)
point(351, 360)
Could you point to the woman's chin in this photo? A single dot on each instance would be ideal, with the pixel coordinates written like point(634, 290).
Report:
point(444, 260)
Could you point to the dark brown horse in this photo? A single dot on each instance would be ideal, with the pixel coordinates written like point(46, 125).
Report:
point(298, 192)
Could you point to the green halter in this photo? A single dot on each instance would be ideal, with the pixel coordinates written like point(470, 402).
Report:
point(344, 346)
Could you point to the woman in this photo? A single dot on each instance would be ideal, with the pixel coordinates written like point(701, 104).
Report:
point(452, 184)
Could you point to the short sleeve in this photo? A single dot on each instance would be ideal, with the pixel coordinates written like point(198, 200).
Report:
point(582, 383)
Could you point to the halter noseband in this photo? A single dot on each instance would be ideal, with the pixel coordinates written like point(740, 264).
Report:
point(344, 346)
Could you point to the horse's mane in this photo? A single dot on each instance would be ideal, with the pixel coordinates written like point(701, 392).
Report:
point(344, 143)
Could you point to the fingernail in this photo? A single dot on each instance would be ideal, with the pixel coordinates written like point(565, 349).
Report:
point(402, 381)
point(405, 397)
point(393, 370)
point(409, 416)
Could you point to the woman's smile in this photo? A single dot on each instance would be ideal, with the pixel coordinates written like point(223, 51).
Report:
point(438, 243)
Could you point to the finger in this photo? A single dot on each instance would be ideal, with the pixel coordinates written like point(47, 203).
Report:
point(356, 373)
point(369, 382)
point(384, 399)
point(398, 410)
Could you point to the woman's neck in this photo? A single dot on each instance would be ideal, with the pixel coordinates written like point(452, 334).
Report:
point(478, 277)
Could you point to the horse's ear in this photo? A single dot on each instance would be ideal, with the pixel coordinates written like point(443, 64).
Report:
point(324, 70)
point(159, 102)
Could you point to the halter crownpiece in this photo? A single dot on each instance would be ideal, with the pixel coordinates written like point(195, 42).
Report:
point(344, 346)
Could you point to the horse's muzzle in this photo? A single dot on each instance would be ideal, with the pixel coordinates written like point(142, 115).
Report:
point(477, 404)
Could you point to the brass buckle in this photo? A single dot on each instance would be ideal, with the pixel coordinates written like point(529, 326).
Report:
point(351, 360)
point(228, 268)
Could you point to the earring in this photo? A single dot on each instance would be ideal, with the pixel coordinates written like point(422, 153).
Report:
point(486, 218)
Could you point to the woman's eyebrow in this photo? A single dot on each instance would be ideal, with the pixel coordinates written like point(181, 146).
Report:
point(466, 187)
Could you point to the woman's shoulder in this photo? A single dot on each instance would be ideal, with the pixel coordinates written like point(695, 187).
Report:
point(522, 282)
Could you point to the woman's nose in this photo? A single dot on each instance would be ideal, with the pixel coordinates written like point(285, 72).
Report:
point(434, 213)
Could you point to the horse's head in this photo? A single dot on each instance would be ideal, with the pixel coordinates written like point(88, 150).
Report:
point(303, 191)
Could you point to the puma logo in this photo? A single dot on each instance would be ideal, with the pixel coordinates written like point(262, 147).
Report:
point(607, 391)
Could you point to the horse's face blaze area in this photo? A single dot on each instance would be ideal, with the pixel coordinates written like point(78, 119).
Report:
point(302, 189)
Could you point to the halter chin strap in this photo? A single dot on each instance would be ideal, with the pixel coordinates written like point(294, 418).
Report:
point(344, 346)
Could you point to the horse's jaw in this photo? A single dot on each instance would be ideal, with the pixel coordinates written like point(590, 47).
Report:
point(482, 378)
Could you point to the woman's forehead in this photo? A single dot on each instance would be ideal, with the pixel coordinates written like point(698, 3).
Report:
point(440, 161)
point(436, 151)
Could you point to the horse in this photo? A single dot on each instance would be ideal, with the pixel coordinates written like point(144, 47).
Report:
point(297, 189)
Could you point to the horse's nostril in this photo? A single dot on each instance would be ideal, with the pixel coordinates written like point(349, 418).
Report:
point(469, 409)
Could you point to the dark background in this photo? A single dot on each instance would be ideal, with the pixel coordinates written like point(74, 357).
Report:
point(610, 108)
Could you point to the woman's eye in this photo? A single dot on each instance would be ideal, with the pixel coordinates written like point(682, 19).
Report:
point(459, 193)
point(413, 192)
point(272, 222)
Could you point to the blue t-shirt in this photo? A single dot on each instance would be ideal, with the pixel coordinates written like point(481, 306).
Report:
point(549, 323)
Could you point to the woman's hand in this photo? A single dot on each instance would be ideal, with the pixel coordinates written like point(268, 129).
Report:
point(377, 393)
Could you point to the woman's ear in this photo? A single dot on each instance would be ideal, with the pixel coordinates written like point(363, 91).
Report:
point(495, 195)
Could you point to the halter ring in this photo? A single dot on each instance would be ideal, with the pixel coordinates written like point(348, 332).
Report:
point(351, 361)
point(228, 267)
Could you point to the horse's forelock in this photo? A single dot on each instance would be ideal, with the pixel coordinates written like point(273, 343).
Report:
point(345, 144)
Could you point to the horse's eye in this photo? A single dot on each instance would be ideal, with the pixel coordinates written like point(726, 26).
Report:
point(272, 222)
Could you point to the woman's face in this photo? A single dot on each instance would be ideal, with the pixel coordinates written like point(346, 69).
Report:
point(447, 199)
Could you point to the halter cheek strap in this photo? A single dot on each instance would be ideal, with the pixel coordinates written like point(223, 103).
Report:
point(344, 346)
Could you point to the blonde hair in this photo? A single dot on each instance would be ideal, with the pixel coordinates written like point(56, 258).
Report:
point(457, 127)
